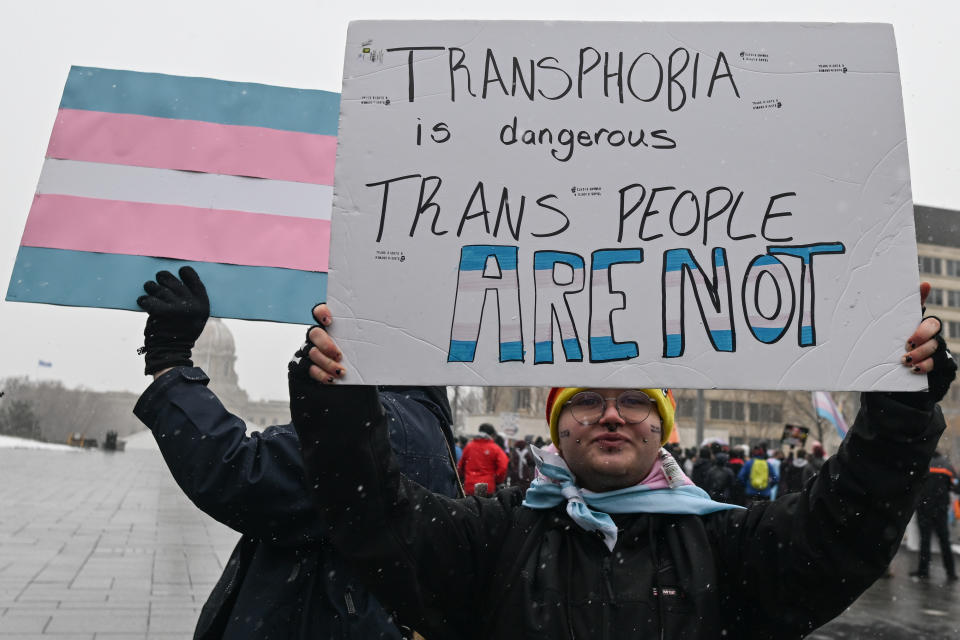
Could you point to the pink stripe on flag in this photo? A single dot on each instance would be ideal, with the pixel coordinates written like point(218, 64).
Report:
point(165, 143)
point(172, 231)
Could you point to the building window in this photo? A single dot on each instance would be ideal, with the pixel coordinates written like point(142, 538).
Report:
point(935, 298)
point(953, 298)
point(762, 412)
point(521, 399)
point(686, 409)
point(726, 410)
point(953, 268)
point(953, 329)
point(931, 265)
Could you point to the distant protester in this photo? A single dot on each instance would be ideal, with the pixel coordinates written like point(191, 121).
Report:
point(483, 461)
point(814, 461)
point(757, 476)
point(702, 463)
point(791, 473)
point(940, 481)
point(720, 482)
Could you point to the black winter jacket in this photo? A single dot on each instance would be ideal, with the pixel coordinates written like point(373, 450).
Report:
point(490, 568)
point(283, 579)
point(935, 492)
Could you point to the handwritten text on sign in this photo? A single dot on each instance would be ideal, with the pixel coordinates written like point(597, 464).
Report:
point(685, 205)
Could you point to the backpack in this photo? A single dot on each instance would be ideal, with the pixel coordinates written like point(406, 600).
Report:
point(759, 474)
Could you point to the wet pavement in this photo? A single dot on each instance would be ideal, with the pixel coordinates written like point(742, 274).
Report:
point(901, 607)
point(97, 546)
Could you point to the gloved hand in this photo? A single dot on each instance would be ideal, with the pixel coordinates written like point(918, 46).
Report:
point(928, 354)
point(944, 370)
point(316, 397)
point(178, 312)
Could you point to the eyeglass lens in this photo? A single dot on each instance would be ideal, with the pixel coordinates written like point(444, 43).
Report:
point(588, 407)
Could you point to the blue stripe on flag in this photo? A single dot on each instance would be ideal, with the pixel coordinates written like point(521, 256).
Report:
point(204, 99)
point(113, 281)
point(826, 415)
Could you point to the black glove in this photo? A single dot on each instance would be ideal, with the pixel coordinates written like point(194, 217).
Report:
point(938, 380)
point(944, 370)
point(178, 312)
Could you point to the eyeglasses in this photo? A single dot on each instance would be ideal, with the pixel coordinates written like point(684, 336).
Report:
point(587, 407)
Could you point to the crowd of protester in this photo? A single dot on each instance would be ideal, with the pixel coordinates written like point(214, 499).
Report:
point(738, 474)
point(742, 474)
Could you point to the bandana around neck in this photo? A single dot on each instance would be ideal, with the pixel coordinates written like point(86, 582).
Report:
point(666, 489)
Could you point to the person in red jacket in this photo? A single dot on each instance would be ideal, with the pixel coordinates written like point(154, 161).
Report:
point(483, 461)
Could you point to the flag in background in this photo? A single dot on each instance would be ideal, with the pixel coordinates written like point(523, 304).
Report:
point(147, 171)
point(44, 363)
point(827, 410)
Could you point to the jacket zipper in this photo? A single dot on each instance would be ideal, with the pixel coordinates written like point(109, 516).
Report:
point(608, 600)
point(348, 598)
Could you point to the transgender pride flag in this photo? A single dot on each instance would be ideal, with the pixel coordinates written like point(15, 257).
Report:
point(147, 172)
point(827, 409)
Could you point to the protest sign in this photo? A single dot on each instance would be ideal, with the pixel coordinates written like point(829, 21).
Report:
point(794, 435)
point(623, 204)
point(146, 171)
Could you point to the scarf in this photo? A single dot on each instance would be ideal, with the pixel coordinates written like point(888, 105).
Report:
point(665, 490)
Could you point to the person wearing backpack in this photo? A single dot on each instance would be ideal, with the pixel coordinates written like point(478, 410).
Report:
point(757, 476)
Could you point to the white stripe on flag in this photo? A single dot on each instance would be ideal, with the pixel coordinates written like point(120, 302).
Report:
point(185, 188)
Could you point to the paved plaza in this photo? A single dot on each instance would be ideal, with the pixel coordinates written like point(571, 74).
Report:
point(97, 546)
point(101, 545)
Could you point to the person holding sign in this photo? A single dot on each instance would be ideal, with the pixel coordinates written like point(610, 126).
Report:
point(283, 579)
point(613, 540)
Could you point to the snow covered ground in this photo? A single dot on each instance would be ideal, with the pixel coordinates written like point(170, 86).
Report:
point(9, 442)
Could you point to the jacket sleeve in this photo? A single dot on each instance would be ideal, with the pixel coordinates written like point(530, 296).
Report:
point(423, 555)
point(253, 484)
point(795, 563)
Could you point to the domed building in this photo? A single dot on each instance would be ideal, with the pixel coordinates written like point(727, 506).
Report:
point(215, 353)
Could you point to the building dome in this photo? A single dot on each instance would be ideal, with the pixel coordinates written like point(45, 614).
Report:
point(216, 340)
point(216, 353)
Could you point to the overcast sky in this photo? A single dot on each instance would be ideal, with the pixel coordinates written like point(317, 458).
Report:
point(300, 44)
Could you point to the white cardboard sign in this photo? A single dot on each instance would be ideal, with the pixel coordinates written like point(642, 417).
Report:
point(623, 204)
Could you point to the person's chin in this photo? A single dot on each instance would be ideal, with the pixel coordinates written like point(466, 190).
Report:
point(614, 460)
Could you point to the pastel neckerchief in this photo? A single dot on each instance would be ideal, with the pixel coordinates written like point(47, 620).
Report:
point(662, 491)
